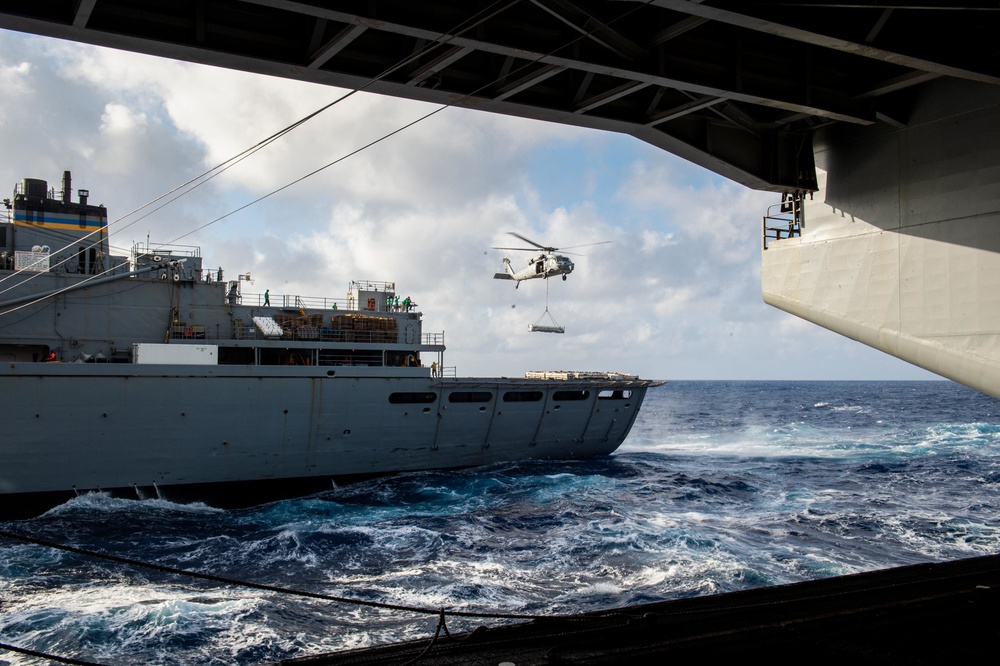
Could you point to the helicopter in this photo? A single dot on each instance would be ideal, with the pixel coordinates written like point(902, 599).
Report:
point(545, 265)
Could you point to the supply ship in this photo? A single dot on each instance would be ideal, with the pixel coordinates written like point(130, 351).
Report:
point(151, 375)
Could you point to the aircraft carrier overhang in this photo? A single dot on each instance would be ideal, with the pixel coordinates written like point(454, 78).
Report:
point(738, 87)
point(879, 124)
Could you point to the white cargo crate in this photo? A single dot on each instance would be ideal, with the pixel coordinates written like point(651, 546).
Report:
point(150, 353)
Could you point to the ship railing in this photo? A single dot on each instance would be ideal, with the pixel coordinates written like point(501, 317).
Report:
point(312, 333)
point(293, 301)
point(371, 285)
point(242, 332)
point(142, 249)
point(182, 331)
point(785, 219)
point(338, 335)
point(432, 338)
point(449, 371)
point(19, 188)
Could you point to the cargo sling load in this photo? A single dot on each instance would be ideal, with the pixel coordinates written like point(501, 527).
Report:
point(552, 327)
point(150, 375)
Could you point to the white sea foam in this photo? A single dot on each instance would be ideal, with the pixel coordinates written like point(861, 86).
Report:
point(100, 501)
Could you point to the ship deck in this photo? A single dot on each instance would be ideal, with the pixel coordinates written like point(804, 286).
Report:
point(920, 614)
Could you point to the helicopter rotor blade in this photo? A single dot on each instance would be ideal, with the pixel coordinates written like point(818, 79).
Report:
point(588, 245)
point(531, 242)
point(519, 249)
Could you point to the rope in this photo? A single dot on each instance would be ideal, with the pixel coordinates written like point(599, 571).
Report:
point(547, 313)
point(257, 586)
point(45, 655)
point(442, 624)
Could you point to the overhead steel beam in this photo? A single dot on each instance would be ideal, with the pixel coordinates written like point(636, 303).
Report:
point(592, 28)
point(334, 46)
point(746, 18)
point(682, 110)
point(734, 85)
point(449, 57)
point(849, 113)
point(81, 14)
point(610, 96)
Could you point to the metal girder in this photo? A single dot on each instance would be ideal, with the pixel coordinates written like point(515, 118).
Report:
point(449, 57)
point(767, 17)
point(81, 13)
point(683, 110)
point(334, 46)
point(592, 29)
point(737, 86)
point(610, 96)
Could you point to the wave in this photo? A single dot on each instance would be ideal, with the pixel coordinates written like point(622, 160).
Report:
point(101, 502)
point(720, 487)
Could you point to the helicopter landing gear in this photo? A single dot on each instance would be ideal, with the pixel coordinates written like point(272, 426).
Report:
point(564, 278)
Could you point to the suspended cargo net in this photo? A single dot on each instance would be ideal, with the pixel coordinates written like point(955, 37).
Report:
point(552, 326)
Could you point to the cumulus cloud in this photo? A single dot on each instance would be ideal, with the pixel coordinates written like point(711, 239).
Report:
point(675, 294)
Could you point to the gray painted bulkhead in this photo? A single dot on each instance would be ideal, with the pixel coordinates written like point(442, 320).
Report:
point(90, 317)
point(900, 246)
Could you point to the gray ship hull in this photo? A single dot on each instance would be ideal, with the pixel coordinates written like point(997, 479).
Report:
point(178, 431)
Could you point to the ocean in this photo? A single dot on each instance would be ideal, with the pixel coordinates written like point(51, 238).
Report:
point(721, 486)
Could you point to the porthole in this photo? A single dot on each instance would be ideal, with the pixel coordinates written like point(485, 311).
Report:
point(470, 396)
point(522, 396)
point(614, 394)
point(412, 398)
point(564, 396)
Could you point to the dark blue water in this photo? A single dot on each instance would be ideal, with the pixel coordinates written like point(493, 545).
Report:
point(721, 486)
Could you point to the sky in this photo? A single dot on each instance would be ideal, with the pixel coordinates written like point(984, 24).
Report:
point(674, 295)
